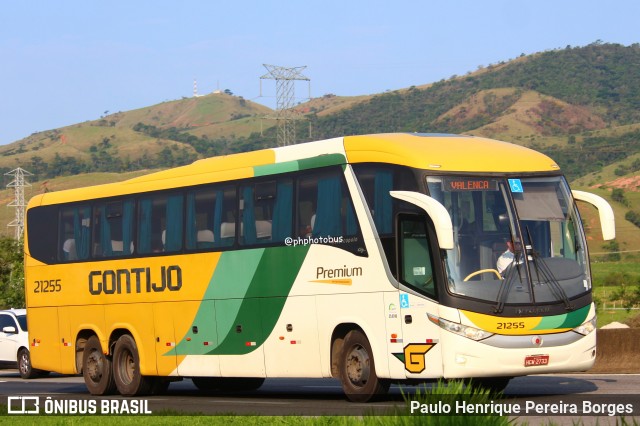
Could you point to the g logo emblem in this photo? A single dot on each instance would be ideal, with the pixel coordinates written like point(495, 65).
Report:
point(414, 356)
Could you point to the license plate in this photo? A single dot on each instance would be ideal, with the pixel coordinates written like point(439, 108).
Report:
point(535, 360)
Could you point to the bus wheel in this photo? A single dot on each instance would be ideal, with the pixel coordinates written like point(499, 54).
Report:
point(96, 368)
point(357, 369)
point(126, 368)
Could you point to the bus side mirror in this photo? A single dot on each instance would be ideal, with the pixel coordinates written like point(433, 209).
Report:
point(436, 211)
point(607, 220)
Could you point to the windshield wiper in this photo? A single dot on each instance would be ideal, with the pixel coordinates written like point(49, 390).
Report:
point(543, 270)
point(507, 282)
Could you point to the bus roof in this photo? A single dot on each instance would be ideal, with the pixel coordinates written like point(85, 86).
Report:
point(438, 152)
point(450, 153)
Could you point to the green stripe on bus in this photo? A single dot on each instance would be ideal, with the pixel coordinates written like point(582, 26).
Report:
point(239, 311)
point(576, 318)
point(304, 164)
point(274, 169)
point(568, 320)
point(321, 161)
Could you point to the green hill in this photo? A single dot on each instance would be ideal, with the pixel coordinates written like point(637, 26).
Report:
point(580, 105)
point(163, 135)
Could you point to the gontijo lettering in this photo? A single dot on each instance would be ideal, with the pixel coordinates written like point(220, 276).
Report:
point(135, 280)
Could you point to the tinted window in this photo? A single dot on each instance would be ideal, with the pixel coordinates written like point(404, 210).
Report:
point(22, 320)
point(160, 223)
point(376, 180)
point(210, 218)
point(113, 229)
point(6, 321)
point(416, 262)
point(42, 242)
point(266, 209)
point(325, 213)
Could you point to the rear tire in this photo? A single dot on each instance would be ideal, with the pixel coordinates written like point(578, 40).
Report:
point(357, 369)
point(126, 369)
point(96, 368)
point(24, 365)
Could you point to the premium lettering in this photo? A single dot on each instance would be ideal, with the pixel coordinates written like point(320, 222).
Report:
point(344, 272)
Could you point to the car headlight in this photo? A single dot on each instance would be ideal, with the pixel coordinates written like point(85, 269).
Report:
point(586, 327)
point(459, 329)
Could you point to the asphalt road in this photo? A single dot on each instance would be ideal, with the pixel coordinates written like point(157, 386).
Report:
point(312, 397)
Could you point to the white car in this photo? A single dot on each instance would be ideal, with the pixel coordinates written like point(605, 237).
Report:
point(14, 343)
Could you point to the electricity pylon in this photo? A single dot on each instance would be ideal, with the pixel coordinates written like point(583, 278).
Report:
point(18, 183)
point(286, 115)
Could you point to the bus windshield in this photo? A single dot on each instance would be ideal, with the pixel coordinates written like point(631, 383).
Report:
point(516, 240)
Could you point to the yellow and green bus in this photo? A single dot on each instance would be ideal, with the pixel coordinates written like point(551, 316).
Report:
point(372, 259)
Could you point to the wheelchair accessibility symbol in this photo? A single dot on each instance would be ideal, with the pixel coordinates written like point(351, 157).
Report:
point(516, 185)
point(404, 301)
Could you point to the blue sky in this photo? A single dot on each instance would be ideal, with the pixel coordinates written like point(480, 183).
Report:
point(70, 61)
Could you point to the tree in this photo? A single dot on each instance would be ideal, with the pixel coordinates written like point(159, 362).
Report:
point(629, 290)
point(11, 273)
point(618, 195)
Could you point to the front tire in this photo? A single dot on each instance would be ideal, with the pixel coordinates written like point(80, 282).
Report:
point(126, 369)
point(357, 369)
point(96, 368)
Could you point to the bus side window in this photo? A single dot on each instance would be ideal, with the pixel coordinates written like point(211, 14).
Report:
point(324, 207)
point(113, 229)
point(416, 263)
point(160, 223)
point(75, 233)
point(201, 218)
point(267, 211)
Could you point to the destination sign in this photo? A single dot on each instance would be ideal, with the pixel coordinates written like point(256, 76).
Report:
point(469, 184)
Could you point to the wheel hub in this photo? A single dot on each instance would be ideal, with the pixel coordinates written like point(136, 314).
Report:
point(95, 366)
point(358, 366)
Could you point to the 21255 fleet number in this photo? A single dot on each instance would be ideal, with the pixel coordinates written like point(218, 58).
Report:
point(510, 325)
point(48, 286)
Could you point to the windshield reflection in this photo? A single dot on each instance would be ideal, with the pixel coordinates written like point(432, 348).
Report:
point(516, 240)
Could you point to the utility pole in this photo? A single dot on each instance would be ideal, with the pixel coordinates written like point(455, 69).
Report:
point(286, 115)
point(18, 183)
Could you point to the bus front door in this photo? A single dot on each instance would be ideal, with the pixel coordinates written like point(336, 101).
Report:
point(422, 354)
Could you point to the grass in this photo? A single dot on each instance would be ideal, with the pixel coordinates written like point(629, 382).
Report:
point(172, 419)
point(442, 394)
point(604, 295)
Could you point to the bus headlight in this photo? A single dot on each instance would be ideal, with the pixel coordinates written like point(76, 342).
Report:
point(459, 329)
point(586, 327)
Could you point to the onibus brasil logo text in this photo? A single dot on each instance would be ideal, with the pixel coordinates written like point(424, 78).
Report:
point(48, 405)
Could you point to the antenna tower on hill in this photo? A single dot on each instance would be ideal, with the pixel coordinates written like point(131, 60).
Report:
point(286, 115)
point(195, 88)
point(18, 183)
